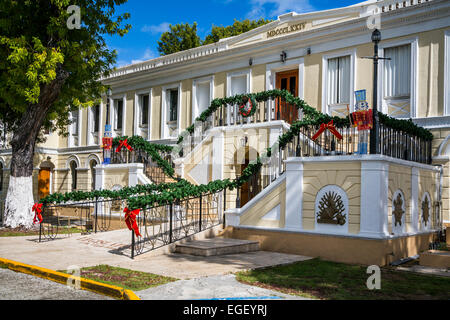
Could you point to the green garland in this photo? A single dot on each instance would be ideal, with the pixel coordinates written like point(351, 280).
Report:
point(153, 150)
point(149, 195)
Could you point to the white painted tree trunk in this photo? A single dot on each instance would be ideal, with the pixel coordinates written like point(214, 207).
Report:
point(19, 203)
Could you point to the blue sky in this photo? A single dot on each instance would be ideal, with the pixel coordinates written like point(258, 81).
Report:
point(149, 19)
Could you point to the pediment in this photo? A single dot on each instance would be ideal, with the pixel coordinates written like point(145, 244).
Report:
point(290, 24)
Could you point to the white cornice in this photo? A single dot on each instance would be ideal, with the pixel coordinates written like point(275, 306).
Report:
point(207, 53)
point(430, 17)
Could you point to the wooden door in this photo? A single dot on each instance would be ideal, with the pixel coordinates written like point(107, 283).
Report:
point(44, 183)
point(249, 189)
point(287, 80)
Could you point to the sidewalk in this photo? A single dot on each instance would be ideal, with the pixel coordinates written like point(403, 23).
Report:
point(92, 250)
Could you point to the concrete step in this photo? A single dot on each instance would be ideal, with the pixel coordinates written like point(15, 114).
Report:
point(217, 247)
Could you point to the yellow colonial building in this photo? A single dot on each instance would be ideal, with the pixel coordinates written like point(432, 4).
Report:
point(320, 57)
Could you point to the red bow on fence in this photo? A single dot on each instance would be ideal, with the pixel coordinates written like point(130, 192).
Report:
point(37, 208)
point(330, 126)
point(124, 144)
point(130, 220)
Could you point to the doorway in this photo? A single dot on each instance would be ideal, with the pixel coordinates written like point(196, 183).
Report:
point(44, 182)
point(251, 188)
point(287, 80)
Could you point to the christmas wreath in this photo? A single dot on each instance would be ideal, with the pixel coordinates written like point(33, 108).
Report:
point(248, 108)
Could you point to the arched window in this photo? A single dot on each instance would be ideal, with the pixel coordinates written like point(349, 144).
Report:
point(92, 165)
point(73, 172)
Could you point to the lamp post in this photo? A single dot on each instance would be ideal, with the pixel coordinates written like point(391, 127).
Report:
point(374, 132)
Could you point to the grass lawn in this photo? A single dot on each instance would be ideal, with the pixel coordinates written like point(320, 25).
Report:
point(4, 233)
point(336, 281)
point(124, 278)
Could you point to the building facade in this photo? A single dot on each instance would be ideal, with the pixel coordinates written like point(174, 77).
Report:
point(319, 57)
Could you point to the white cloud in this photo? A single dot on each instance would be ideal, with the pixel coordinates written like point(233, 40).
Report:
point(274, 8)
point(147, 55)
point(156, 29)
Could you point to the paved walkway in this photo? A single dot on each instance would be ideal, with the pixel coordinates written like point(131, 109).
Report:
point(212, 288)
point(211, 276)
point(19, 286)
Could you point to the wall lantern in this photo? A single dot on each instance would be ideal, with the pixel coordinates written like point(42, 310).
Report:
point(283, 56)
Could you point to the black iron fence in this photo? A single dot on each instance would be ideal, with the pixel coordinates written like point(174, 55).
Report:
point(85, 217)
point(162, 225)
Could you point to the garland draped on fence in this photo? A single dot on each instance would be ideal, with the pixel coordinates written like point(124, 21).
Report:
point(144, 196)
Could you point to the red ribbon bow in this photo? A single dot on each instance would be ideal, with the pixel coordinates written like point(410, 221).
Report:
point(37, 208)
point(330, 126)
point(125, 144)
point(130, 220)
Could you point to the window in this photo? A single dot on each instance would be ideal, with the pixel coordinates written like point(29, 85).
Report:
point(398, 78)
point(338, 85)
point(171, 108)
point(1, 177)
point(447, 74)
point(74, 128)
point(145, 101)
point(96, 120)
point(397, 72)
point(173, 105)
point(118, 115)
point(239, 85)
point(73, 172)
point(74, 122)
point(202, 98)
point(92, 165)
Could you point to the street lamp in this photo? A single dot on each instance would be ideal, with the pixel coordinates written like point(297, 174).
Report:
point(374, 132)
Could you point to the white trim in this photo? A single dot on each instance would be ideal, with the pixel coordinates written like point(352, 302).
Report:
point(164, 111)
point(325, 58)
point(73, 158)
point(414, 42)
point(92, 157)
point(195, 113)
point(447, 73)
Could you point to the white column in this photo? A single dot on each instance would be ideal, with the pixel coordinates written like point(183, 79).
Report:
point(99, 177)
point(218, 155)
point(414, 200)
point(374, 199)
point(294, 195)
point(133, 171)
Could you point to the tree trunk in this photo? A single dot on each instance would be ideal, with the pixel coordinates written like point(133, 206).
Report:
point(20, 199)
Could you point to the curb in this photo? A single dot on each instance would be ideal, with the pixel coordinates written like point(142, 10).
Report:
point(85, 284)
